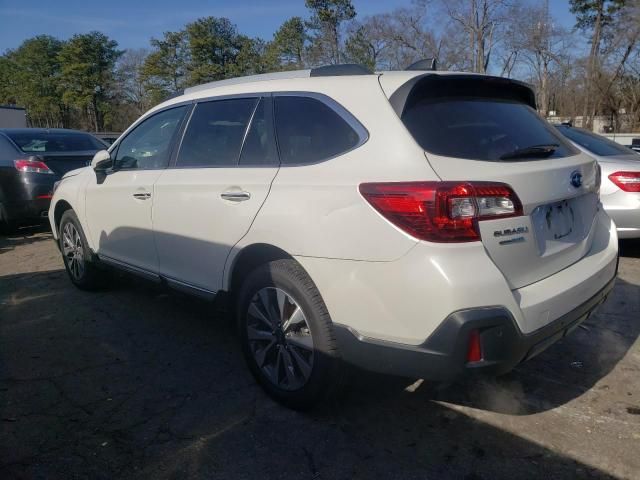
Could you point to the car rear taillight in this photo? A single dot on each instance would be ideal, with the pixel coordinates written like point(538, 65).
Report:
point(442, 211)
point(626, 181)
point(32, 166)
point(474, 349)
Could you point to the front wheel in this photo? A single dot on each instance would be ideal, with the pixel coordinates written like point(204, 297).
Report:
point(76, 254)
point(287, 336)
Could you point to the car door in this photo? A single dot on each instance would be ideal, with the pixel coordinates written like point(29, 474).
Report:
point(207, 201)
point(119, 204)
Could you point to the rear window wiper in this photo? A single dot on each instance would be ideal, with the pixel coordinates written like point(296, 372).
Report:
point(534, 151)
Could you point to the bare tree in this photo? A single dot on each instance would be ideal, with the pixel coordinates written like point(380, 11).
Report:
point(533, 39)
point(482, 21)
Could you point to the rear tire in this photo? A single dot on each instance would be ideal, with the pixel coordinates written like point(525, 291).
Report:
point(76, 254)
point(287, 335)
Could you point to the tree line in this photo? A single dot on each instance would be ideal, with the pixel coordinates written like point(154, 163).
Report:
point(87, 82)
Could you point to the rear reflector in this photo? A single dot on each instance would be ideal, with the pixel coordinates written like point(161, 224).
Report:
point(442, 211)
point(45, 197)
point(474, 350)
point(626, 181)
point(32, 166)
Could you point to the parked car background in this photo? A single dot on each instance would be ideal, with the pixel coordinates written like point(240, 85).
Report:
point(31, 161)
point(620, 189)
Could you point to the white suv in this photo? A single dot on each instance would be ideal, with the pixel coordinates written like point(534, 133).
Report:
point(423, 224)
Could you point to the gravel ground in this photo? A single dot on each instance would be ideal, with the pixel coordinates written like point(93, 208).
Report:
point(136, 381)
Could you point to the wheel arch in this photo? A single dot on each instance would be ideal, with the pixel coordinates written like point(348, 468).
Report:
point(61, 207)
point(248, 259)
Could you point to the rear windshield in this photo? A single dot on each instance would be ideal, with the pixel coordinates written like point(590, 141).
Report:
point(43, 142)
point(594, 143)
point(473, 120)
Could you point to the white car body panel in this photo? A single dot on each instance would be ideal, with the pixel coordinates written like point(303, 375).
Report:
point(118, 222)
point(374, 278)
point(195, 229)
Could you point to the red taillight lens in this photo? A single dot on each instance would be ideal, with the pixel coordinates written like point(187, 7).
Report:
point(626, 181)
point(442, 211)
point(32, 166)
point(474, 350)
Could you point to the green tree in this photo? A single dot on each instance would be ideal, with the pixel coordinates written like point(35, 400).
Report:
point(327, 17)
point(31, 79)
point(358, 48)
point(214, 46)
point(87, 75)
point(287, 47)
point(164, 71)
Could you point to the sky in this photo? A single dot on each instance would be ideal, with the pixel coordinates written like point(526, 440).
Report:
point(133, 22)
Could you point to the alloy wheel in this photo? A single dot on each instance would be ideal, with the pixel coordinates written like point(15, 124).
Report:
point(279, 338)
point(73, 251)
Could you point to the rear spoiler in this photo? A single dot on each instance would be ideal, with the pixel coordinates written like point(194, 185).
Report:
point(461, 85)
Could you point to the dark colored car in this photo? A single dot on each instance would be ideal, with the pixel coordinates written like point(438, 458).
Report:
point(31, 161)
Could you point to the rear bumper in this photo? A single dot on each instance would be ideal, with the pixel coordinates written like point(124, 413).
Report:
point(26, 196)
point(442, 357)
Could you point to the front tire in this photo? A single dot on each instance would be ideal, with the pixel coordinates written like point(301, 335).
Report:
point(76, 254)
point(287, 335)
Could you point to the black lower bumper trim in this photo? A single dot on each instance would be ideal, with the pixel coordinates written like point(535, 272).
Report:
point(442, 357)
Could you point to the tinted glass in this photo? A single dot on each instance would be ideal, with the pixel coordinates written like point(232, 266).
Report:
point(310, 131)
point(594, 143)
point(479, 129)
point(259, 146)
point(44, 142)
point(148, 146)
point(215, 133)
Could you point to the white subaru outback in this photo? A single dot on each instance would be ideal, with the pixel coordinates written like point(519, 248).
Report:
point(416, 223)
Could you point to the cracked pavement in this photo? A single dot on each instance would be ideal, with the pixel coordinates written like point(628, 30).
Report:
point(138, 382)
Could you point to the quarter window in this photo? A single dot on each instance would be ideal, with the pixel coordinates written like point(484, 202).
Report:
point(148, 146)
point(215, 133)
point(310, 131)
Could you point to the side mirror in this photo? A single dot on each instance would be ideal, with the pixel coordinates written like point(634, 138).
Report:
point(101, 161)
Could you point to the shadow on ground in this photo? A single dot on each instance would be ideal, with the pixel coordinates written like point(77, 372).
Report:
point(137, 382)
point(24, 236)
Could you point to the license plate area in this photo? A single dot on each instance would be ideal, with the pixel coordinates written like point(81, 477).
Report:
point(560, 225)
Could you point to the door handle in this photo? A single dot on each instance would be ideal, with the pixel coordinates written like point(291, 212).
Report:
point(142, 196)
point(235, 196)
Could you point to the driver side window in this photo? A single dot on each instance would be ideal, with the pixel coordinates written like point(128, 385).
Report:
point(148, 146)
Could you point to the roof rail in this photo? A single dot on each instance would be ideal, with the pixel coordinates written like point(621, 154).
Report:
point(427, 64)
point(263, 77)
point(325, 71)
point(339, 70)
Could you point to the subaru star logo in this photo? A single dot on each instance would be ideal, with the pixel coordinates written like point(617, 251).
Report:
point(576, 179)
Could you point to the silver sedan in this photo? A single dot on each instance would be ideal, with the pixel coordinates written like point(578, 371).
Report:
point(620, 190)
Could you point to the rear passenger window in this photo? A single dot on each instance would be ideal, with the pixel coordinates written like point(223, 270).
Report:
point(215, 132)
point(309, 131)
point(259, 147)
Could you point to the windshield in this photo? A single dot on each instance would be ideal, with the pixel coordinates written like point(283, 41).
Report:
point(596, 144)
point(44, 142)
point(479, 119)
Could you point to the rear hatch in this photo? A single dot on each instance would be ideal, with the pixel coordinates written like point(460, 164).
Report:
point(477, 128)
